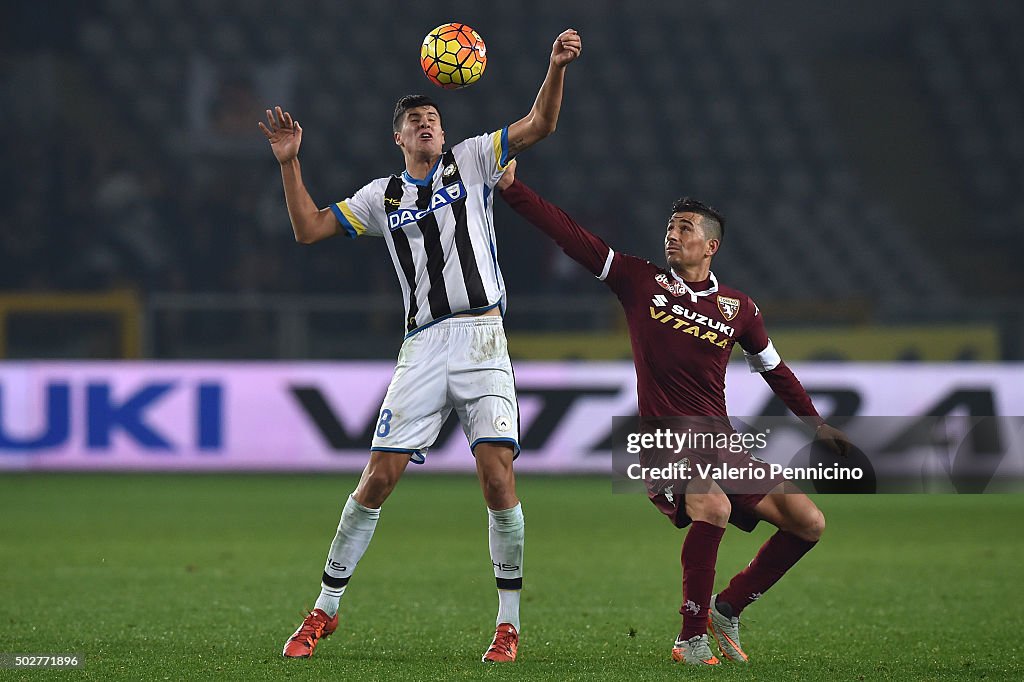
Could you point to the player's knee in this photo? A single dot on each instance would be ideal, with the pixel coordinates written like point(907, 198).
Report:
point(815, 526)
point(713, 508)
point(719, 510)
point(811, 526)
point(375, 486)
point(499, 492)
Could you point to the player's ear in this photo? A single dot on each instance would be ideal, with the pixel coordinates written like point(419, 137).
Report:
point(398, 138)
point(712, 247)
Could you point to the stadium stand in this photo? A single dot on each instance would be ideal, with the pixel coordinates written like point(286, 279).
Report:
point(152, 175)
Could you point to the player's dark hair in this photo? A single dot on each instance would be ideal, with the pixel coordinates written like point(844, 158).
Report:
point(712, 219)
point(411, 102)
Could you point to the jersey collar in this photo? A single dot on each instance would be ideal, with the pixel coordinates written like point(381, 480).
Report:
point(694, 294)
point(427, 181)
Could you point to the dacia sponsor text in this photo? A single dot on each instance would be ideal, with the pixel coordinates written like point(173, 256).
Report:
point(443, 197)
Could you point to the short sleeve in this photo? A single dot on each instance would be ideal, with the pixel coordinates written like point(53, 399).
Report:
point(489, 154)
point(358, 214)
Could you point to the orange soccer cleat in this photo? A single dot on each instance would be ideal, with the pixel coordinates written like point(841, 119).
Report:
point(314, 627)
point(503, 648)
point(694, 651)
point(726, 630)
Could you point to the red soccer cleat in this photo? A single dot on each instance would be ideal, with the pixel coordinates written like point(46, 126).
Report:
point(314, 627)
point(503, 648)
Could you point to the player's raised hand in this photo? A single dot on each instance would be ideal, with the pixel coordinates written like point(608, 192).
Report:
point(566, 48)
point(834, 439)
point(284, 134)
point(508, 177)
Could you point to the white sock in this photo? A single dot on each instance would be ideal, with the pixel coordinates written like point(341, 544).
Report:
point(505, 536)
point(353, 537)
point(329, 599)
point(508, 607)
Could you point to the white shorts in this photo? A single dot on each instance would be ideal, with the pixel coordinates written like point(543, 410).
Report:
point(459, 363)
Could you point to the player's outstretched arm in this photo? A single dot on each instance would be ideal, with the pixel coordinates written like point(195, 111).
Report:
point(581, 245)
point(762, 358)
point(788, 388)
point(309, 223)
point(543, 117)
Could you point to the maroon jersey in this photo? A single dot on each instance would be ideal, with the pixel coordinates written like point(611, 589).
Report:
point(682, 333)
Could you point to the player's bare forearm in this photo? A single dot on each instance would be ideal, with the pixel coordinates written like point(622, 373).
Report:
point(543, 117)
point(309, 223)
point(285, 137)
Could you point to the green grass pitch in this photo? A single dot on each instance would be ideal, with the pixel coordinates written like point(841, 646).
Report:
point(204, 577)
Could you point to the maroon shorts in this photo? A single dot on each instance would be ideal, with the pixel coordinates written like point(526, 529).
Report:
point(742, 516)
point(744, 494)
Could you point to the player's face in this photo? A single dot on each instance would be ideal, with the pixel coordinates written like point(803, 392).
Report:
point(685, 245)
point(421, 133)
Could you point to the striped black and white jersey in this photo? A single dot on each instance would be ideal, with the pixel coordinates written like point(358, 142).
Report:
point(439, 230)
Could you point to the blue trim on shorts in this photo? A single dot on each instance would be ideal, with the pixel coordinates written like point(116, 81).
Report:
point(415, 456)
point(513, 441)
point(471, 311)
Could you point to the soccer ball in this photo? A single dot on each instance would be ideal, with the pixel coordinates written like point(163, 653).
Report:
point(453, 56)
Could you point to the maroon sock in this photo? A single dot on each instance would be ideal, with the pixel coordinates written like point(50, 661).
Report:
point(700, 552)
point(775, 557)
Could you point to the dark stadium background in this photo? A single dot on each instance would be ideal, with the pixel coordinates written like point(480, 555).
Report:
point(869, 158)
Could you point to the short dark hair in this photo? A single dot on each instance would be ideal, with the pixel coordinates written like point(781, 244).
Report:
point(710, 217)
point(411, 102)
